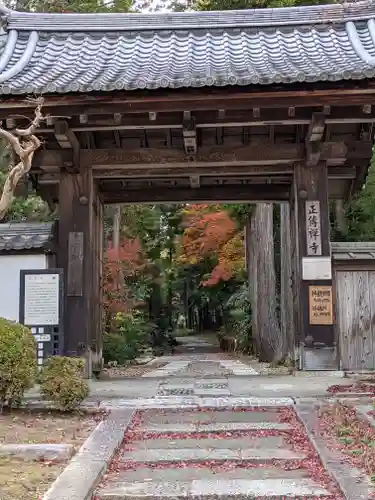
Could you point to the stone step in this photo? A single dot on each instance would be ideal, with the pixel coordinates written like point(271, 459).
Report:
point(201, 489)
point(191, 482)
point(215, 427)
point(195, 402)
point(226, 442)
point(156, 417)
point(250, 455)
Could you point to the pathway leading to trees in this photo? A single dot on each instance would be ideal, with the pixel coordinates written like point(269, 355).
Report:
point(195, 436)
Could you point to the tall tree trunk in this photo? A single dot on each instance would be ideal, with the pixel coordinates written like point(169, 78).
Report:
point(286, 292)
point(269, 339)
point(116, 244)
point(341, 221)
point(252, 256)
point(116, 230)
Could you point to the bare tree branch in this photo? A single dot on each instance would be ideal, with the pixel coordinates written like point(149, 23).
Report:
point(24, 144)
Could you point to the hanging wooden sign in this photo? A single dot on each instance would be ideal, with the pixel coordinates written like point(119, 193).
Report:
point(320, 305)
point(313, 228)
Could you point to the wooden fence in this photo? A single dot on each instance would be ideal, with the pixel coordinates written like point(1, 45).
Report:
point(354, 273)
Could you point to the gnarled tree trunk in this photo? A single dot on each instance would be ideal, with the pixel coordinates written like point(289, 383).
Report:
point(24, 144)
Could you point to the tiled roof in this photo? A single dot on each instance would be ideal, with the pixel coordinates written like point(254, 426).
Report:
point(350, 250)
point(44, 53)
point(25, 235)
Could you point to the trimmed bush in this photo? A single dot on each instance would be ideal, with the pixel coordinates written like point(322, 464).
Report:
point(127, 339)
point(18, 366)
point(116, 348)
point(62, 382)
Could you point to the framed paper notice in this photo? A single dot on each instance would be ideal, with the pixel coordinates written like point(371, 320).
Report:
point(41, 297)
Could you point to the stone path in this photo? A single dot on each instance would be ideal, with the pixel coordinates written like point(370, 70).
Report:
point(223, 454)
point(203, 436)
point(207, 427)
point(202, 368)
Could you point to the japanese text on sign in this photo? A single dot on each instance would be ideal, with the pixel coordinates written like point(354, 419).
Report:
point(41, 299)
point(313, 229)
point(320, 305)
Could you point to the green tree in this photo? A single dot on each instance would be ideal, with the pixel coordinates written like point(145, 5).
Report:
point(251, 4)
point(79, 6)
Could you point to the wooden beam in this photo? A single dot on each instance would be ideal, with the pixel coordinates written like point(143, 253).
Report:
point(204, 118)
point(338, 190)
point(256, 173)
point(190, 169)
point(209, 194)
point(206, 98)
point(267, 154)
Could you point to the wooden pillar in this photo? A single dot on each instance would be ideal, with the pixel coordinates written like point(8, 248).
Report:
point(312, 272)
point(77, 255)
point(97, 295)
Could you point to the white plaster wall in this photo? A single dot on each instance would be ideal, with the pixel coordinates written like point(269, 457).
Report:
point(10, 267)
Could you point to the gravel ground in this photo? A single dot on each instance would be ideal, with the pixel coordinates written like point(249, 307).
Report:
point(130, 370)
point(262, 368)
point(28, 480)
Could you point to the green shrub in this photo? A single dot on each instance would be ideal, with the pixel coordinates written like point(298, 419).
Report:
point(62, 382)
point(116, 348)
point(17, 362)
point(238, 323)
point(128, 338)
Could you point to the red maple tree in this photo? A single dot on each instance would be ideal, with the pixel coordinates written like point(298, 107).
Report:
point(119, 265)
point(210, 231)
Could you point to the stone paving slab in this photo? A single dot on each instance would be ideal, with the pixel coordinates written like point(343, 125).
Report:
point(228, 443)
point(219, 488)
point(238, 368)
point(201, 418)
point(195, 402)
point(257, 455)
point(211, 392)
point(189, 473)
point(215, 427)
point(55, 452)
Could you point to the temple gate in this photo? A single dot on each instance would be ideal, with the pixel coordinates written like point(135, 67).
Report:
point(272, 105)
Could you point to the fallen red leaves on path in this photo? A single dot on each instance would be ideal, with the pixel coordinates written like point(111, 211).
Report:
point(356, 388)
point(350, 435)
point(296, 438)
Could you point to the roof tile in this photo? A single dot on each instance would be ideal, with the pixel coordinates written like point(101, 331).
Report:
point(264, 46)
point(25, 235)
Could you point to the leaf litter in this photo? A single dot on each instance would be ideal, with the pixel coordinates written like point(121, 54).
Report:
point(28, 480)
point(296, 438)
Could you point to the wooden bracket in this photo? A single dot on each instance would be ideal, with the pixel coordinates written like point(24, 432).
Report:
point(68, 140)
point(314, 137)
point(195, 181)
point(189, 133)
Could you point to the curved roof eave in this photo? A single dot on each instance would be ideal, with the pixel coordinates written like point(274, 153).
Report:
point(287, 16)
